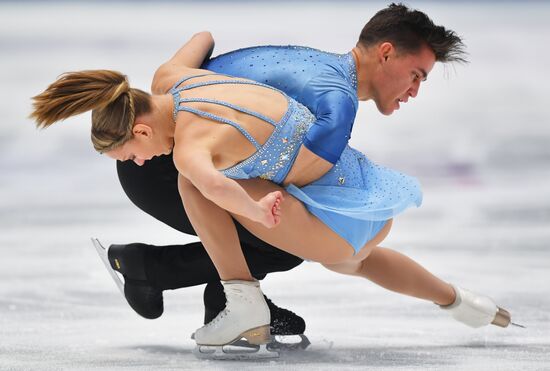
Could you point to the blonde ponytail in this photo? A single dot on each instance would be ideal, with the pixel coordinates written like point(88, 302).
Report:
point(107, 94)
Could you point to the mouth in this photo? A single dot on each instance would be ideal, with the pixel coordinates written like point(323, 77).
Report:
point(398, 101)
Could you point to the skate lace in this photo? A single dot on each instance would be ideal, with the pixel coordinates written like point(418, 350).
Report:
point(225, 311)
point(236, 292)
point(219, 317)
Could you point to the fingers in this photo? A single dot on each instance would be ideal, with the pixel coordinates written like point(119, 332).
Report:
point(272, 206)
point(277, 195)
point(276, 209)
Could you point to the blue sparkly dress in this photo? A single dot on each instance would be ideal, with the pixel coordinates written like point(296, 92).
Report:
point(325, 83)
point(355, 198)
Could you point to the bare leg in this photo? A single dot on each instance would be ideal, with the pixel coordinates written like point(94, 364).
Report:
point(217, 232)
point(397, 272)
point(301, 233)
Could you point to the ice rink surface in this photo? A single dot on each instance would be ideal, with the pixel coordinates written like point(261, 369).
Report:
point(477, 137)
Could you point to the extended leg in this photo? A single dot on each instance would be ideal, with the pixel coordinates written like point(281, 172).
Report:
point(396, 272)
point(399, 273)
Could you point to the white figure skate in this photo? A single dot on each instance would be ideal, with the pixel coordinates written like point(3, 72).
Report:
point(246, 315)
point(476, 310)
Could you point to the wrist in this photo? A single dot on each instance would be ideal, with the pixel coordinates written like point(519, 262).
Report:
point(254, 211)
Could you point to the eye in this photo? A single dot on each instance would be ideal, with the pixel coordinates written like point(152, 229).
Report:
point(416, 77)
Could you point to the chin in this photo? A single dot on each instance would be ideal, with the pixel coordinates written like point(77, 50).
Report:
point(386, 111)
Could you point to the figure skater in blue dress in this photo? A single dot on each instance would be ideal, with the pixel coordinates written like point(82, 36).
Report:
point(329, 85)
point(222, 129)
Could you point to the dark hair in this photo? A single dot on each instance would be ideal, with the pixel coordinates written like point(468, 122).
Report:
point(114, 105)
point(408, 30)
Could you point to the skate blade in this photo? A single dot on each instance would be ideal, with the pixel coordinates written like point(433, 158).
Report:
point(237, 351)
point(283, 343)
point(289, 343)
point(102, 252)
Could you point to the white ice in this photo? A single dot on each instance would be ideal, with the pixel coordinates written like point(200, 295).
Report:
point(477, 137)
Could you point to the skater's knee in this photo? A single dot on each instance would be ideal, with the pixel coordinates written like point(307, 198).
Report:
point(352, 268)
point(337, 256)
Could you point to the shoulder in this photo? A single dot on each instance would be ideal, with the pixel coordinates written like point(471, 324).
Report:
point(331, 77)
point(168, 74)
point(332, 96)
point(163, 79)
point(193, 135)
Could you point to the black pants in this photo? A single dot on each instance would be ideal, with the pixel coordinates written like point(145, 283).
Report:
point(153, 188)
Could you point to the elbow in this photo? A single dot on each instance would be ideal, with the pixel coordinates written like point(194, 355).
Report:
point(207, 42)
point(209, 187)
point(206, 35)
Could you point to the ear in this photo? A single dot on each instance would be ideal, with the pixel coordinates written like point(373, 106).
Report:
point(142, 130)
point(385, 51)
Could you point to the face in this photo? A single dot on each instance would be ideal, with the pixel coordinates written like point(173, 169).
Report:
point(142, 147)
point(399, 76)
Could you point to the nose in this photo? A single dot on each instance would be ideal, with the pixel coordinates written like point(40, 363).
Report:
point(413, 91)
point(139, 161)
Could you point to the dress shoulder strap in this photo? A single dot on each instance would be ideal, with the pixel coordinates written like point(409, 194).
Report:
point(179, 103)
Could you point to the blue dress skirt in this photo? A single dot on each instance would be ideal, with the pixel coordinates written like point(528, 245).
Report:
point(357, 197)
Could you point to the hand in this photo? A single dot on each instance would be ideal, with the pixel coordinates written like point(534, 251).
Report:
point(270, 209)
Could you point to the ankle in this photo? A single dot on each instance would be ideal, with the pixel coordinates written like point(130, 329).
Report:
point(129, 259)
point(238, 278)
point(448, 298)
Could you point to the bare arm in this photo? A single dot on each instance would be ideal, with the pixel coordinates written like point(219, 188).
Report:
point(196, 165)
point(191, 55)
point(217, 232)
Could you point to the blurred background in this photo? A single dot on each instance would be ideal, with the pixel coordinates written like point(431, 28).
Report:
point(477, 137)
